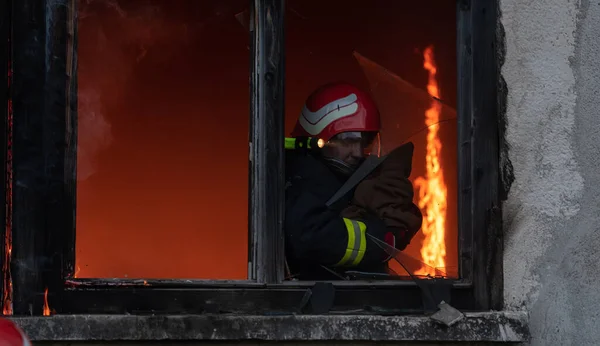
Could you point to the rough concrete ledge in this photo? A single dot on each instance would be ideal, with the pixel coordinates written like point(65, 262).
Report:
point(482, 327)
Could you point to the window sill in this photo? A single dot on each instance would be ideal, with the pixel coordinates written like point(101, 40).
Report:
point(509, 327)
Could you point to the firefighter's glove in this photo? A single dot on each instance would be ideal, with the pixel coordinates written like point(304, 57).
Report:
point(396, 238)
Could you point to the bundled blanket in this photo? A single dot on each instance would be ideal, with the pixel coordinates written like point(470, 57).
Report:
point(388, 193)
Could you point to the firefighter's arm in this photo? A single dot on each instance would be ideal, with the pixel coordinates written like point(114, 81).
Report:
point(320, 235)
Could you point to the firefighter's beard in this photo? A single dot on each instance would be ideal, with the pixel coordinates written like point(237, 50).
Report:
point(340, 167)
point(343, 158)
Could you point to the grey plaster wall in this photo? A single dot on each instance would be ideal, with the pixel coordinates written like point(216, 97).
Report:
point(552, 215)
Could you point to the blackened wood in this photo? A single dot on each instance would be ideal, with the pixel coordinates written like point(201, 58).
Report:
point(4, 97)
point(465, 140)
point(158, 283)
point(29, 37)
point(184, 283)
point(487, 261)
point(42, 203)
point(68, 233)
point(266, 135)
point(149, 300)
point(480, 221)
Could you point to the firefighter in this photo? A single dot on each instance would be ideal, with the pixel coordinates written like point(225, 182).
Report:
point(320, 243)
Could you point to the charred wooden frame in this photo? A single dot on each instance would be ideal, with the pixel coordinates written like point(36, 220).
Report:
point(4, 135)
point(44, 133)
point(266, 138)
point(478, 152)
point(45, 127)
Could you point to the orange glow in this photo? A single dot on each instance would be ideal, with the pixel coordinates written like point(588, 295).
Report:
point(46, 306)
point(162, 158)
point(163, 93)
point(431, 188)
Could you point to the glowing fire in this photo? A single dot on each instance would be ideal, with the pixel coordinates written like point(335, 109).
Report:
point(8, 285)
point(7, 299)
point(432, 190)
point(46, 306)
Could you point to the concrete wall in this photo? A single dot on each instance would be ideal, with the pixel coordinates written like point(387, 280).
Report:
point(552, 215)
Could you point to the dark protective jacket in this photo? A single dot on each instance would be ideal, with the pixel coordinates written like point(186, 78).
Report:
point(317, 235)
point(388, 193)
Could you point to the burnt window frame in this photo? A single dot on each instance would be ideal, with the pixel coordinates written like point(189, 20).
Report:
point(43, 50)
point(4, 138)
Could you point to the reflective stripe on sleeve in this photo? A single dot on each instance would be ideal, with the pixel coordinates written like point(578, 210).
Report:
point(357, 243)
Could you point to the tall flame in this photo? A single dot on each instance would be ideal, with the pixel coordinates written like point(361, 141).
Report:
point(46, 305)
point(432, 189)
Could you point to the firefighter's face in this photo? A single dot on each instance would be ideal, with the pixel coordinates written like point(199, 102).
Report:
point(349, 152)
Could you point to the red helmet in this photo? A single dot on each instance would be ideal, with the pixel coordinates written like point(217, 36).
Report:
point(335, 108)
point(11, 335)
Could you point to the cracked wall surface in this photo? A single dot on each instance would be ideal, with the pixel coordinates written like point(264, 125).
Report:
point(552, 218)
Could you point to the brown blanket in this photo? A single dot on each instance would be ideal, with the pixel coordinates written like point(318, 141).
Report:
point(388, 194)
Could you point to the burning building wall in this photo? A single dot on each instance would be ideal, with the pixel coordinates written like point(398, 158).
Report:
point(163, 121)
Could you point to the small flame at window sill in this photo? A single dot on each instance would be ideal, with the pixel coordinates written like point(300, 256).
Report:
point(46, 306)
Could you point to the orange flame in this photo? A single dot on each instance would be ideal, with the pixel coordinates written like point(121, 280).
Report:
point(432, 189)
point(76, 272)
point(8, 285)
point(46, 306)
point(7, 300)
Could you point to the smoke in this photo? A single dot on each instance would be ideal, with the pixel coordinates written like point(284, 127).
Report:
point(96, 130)
point(113, 38)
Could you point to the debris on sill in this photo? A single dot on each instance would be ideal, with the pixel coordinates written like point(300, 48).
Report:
point(447, 315)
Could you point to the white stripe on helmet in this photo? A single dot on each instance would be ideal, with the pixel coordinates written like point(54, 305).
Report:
point(315, 122)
